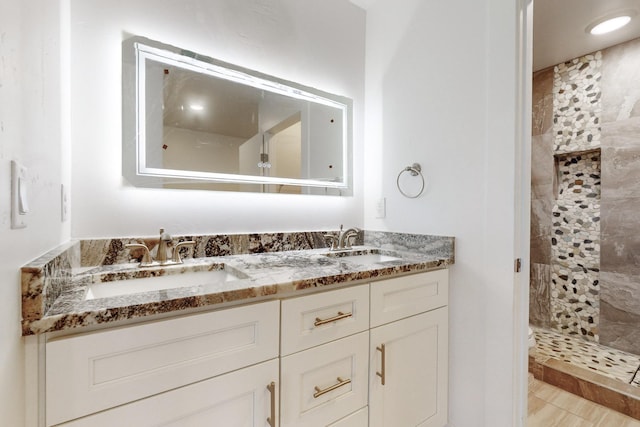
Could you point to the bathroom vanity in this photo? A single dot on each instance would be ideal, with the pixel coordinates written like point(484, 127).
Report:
point(303, 337)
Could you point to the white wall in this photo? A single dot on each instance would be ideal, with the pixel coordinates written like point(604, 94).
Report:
point(319, 44)
point(33, 128)
point(440, 91)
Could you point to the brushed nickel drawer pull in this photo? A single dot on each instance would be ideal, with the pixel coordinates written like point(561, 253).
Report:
point(340, 383)
point(339, 316)
point(272, 390)
point(382, 374)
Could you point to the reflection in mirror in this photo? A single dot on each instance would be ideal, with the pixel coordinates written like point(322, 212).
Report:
point(190, 121)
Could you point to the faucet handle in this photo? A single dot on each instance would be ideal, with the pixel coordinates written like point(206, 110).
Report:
point(146, 256)
point(349, 237)
point(332, 240)
point(175, 258)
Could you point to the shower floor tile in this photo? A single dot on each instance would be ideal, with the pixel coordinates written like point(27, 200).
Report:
point(606, 361)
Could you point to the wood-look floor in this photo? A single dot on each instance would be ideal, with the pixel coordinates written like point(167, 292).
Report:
point(550, 406)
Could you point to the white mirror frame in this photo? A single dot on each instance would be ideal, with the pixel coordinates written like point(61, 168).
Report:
point(146, 176)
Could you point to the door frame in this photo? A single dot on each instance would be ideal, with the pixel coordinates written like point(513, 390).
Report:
point(524, 70)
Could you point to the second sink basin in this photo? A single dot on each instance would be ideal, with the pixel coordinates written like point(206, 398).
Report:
point(369, 258)
point(210, 280)
point(364, 257)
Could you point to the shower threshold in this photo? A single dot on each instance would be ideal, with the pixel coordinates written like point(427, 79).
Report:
point(598, 373)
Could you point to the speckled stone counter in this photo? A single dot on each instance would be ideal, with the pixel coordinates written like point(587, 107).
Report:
point(271, 265)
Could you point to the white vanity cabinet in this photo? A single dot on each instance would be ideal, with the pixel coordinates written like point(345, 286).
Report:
point(312, 360)
point(408, 351)
point(97, 371)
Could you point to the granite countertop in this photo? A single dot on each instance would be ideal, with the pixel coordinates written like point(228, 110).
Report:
point(268, 275)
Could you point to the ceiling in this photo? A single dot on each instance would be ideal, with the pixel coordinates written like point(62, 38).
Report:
point(559, 28)
point(228, 108)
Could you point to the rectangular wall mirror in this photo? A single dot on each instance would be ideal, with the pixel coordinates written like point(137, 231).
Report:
point(193, 122)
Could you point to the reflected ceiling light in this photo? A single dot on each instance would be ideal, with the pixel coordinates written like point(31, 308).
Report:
point(610, 23)
point(196, 107)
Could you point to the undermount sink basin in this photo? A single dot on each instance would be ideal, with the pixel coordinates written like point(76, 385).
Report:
point(210, 280)
point(368, 258)
point(364, 258)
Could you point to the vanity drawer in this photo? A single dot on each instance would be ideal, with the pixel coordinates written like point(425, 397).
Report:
point(307, 321)
point(326, 383)
point(395, 299)
point(96, 371)
point(357, 419)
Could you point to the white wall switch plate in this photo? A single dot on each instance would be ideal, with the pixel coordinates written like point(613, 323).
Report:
point(381, 207)
point(19, 196)
point(64, 203)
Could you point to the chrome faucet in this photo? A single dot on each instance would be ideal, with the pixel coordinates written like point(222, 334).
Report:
point(343, 238)
point(341, 241)
point(161, 251)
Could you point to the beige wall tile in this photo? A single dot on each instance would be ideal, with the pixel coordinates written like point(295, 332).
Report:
point(620, 65)
point(542, 166)
point(619, 328)
point(620, 240)
point(542, 102)
point(539, 295)
point(621, 159)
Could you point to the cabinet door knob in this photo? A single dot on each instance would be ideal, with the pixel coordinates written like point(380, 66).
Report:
point(381, 374)
point(272, 391)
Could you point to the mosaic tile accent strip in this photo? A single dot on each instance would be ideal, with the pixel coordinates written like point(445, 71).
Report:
point(575, 247)
point(574, 303)
point(577, 104)
point(606, 361)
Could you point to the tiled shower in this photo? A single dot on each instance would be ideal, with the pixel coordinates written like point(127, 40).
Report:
point(585, 219)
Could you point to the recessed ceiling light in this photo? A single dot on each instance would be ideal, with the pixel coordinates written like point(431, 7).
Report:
point(611, 22)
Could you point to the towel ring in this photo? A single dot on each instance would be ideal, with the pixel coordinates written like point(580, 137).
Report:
point(414, 170)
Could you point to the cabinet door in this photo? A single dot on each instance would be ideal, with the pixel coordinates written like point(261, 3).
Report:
point(414, 370)
point(92, 372)
point(357, 419)
point(237, 399)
